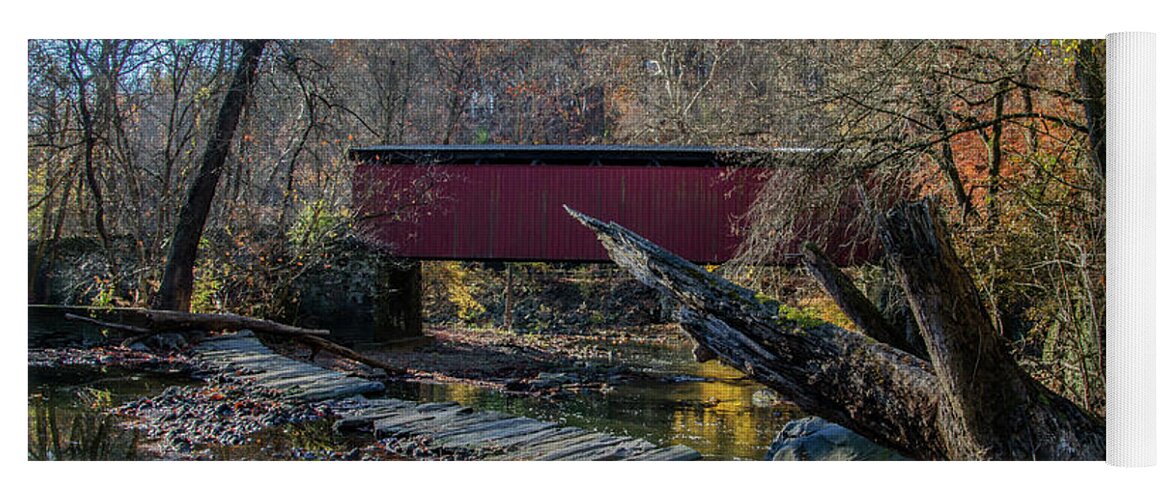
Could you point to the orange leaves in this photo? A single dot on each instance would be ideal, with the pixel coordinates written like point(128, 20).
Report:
point(523, 88)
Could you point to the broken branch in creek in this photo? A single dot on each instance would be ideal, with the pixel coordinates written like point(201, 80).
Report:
point(923, 409)
point(156, 322)
point(855, 305)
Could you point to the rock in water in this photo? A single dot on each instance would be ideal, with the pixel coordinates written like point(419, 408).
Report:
point(766, 398)
point(546, 380)
point(167, 341)
point(814, 438)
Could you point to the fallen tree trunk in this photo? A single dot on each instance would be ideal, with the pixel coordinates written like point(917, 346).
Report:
point(876, 390)
point(854, 303)
point(159, 321)
point(828, 371)
point(992, 408)
point(137, 331)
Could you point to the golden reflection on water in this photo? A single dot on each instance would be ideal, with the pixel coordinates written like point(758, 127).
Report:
point(713, 413)
point(467, 395)
point(720, 420)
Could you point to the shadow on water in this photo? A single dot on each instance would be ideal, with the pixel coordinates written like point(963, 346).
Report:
point(708, 407)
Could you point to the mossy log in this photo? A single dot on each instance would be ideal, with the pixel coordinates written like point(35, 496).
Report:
point(854, 303)
point(877, 390)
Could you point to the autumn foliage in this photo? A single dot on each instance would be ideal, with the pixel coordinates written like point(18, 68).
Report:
point(1004, 134)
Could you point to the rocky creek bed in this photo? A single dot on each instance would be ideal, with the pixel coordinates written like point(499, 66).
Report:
point(633, 382)
point(203, 416)
point(529, 364)
point(215, 417)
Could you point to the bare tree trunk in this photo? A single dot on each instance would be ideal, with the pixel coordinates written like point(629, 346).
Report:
point(178, 276)
point(946, 160)
point(164, 320)
point(996, 155)
point(1088, 68)
point(970, 402)
point(158, 321)
point(508, 296)
point(47, 250)
point(878, 391)
point(855, 305)
point(992, 409)
point(89, 143)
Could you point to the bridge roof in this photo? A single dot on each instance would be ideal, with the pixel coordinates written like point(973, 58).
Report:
point(509, 154)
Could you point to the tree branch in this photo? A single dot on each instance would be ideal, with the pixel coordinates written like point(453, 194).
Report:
point(855, 304)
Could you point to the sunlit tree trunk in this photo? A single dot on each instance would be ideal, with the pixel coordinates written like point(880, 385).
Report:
point(970, 401)
point(178, 276)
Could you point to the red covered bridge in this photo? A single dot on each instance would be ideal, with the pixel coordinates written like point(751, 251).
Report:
point(504, 202)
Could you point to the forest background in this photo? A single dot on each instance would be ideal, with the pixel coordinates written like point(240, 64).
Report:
point(916, 19)
point(1007, 135)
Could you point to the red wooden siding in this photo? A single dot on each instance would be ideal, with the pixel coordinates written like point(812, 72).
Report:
point(513, 212)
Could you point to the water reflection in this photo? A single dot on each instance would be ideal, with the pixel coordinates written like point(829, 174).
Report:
point(711, 411)
point(67, 417)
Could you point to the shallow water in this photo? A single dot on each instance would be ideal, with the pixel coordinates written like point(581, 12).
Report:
point(708, 408)
point(68, 420)
point(67, 406)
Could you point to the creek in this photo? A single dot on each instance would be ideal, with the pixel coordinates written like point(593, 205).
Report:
point(709, 407)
